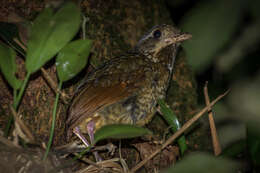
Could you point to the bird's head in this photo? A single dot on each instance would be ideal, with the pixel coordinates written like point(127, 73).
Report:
point(159, 38)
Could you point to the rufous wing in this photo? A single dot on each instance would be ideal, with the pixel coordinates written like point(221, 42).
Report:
point(93, 98)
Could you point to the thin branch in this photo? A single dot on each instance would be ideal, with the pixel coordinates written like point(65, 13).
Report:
point(179, 132)
point(54, 85)
point(90, 162)
point(214, 135)
point(103, 166)
point(22, 125)
point(8, 142)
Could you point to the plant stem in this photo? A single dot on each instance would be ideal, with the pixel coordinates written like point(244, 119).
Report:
point(10, 119)
point(21, 91)
point(8, 126)
point(53, 122)
point(16, 103)
point(15, 94)
point(82, 153)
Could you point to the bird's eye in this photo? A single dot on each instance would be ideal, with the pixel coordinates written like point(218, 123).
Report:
point(157, 34)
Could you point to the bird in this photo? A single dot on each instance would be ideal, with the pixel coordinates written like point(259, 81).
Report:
point(125, 89)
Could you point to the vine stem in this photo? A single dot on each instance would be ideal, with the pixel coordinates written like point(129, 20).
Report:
point(53, 122)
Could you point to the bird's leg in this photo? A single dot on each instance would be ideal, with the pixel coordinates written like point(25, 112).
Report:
point(77, 132)
point(91, 129)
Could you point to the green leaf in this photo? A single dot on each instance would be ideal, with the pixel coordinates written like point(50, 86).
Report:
point(8, 33)
point(72, 59)
point(50, 33)
point(173, 121)
point(120, 131)
point(211, 24)
point(8, 66)
point(203, 163)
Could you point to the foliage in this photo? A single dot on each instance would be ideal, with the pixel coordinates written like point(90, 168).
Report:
point(173, 121)
point(225, 51)
point(71, 59)
point(203, 163)
point(212, 25)
point(120, 131)
point(8, 66)
point(50, 33)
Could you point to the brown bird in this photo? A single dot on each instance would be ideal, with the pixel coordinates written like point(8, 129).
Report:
point(125, 90)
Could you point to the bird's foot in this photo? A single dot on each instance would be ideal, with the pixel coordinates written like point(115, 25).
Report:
point(110, 148)
point(91, 129)
point(77, 132)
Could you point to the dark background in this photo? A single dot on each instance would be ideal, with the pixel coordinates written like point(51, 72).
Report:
point(225, 51)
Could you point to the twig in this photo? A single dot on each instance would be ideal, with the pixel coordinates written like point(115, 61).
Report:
point(22, 125)
point(8, 142)
point(20, 44)
point(178, 133)
point(68, 164)
point(102, 166)
point(89, 161)
point(54, 86)
point(122, 161)
point(214, 135)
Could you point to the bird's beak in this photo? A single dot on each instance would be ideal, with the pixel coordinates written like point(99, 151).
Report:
point(178, 38)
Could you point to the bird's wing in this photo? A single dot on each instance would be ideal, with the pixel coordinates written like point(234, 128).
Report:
point(107, 86)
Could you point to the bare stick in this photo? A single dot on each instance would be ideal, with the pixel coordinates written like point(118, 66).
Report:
point(22, 125)
point(8, 142)
point(54, 86)
point(178, 133)
point(214, 135)
point(88, 161)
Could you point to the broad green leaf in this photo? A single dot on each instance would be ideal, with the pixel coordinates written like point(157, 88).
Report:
point(120, 131)
point(50, 33)
point(72, 59)
point(8, 66)
point(203, 163)
point(9, 32)
point(172, 120)
point(211, 24)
